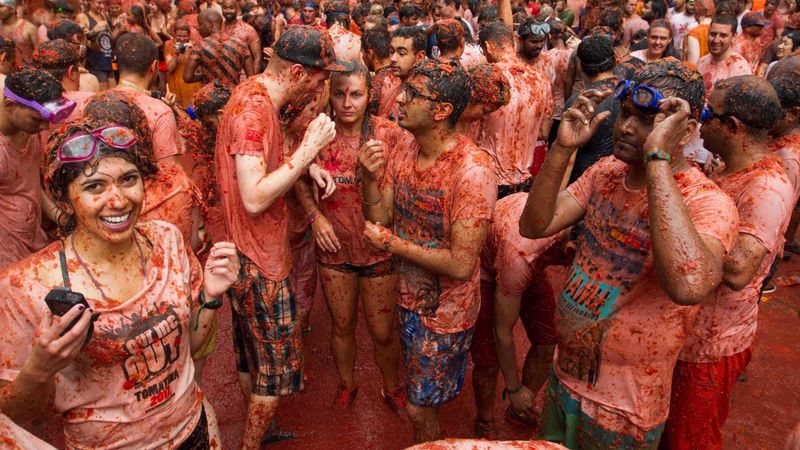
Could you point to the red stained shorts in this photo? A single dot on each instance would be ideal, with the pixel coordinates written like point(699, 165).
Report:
point(537, 311)
point(701, 394)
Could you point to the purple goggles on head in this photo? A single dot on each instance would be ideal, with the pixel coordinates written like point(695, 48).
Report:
point(54, 111)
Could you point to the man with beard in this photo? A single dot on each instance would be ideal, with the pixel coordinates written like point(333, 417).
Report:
point(253, 176)
point(722, 61)
point(239, 29)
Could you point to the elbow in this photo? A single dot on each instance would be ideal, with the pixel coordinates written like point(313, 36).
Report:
point(252, 207)
point(693, 292)
point(464, 272)
point(736, 281)
point(529, 231)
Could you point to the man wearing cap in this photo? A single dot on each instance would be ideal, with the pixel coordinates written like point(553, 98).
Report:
point(722, 61)
point(219, 56)
point(22, 32)
point(32, 100)
point(720, 345)
point(237, 28)
point(748, 43)
point(253, 176)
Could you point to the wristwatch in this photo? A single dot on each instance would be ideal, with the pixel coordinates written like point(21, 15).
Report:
point(659, 155)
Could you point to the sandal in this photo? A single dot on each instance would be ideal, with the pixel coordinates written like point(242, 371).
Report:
point(485, 430)
point(515, 419)
point(274, 435)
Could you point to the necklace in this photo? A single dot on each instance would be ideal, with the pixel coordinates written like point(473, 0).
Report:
point(93, 279)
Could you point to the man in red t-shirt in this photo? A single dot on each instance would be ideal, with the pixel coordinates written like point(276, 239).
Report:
point(722, 61)
point(438, 199)
point(720, 345)
point(253, 177)
point(510, 134)
point(651, 247)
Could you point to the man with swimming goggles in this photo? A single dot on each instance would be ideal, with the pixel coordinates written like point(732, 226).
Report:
point(655, 231)
point(32, 100)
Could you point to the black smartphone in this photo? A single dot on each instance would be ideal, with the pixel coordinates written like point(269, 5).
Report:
point(61, 300)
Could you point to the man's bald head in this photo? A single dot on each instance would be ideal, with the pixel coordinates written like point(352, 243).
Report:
point(209, 21)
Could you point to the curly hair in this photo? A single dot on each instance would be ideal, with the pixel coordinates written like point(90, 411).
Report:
point(58, 175)
point(489, 86)
point(447, 83)
point(34, 84)
point(671, 77)
point(211, 98)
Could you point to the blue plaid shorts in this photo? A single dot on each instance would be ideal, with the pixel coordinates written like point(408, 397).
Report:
point(265, 338)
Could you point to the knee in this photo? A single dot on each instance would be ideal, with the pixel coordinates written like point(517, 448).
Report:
point(344, 328)
point(384, 337)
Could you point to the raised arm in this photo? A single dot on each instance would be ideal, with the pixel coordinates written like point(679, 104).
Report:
point(688, 264)
point(548, 209)
point(260, 189)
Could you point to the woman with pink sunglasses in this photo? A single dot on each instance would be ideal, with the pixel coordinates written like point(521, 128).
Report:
point(101, 325)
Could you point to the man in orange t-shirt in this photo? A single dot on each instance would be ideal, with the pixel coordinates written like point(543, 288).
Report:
point(720, 345)
point(654, 237)
point(437, 199)
point(253, 177)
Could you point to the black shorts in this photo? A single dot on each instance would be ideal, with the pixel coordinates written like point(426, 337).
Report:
point(379, 269)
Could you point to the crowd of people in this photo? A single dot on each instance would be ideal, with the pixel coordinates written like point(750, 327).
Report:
point(426, 160)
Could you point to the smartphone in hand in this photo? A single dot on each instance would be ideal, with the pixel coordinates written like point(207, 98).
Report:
point(61, 300)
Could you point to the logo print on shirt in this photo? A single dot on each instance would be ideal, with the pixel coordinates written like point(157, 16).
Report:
point(254, 135)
